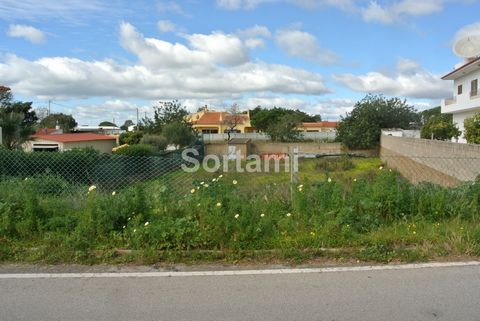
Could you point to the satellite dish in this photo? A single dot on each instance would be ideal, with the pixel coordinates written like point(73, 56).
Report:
point(467, 41)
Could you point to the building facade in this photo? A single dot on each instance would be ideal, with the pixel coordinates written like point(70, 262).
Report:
point(64, 142)
point(215, 122)
point(466, 97)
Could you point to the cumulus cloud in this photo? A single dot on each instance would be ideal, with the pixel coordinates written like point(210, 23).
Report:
point(408, 80)
point(208, 66)
point(255, 36)
point(302, 44)
point(29, 33)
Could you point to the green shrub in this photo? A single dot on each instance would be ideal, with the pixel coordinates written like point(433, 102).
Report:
point(472, 129)
point(130, 138)
point(159, 142)
point(334, 164)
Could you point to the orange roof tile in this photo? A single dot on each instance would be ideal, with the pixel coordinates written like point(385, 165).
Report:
point(216, 118)
point(322, 124)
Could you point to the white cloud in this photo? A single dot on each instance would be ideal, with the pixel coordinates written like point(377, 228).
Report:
point(398, 10)
point(255, 36)
point(166, 26)
point(302, 44)
point(208, 67)
point(408, 80)
point(29, 33)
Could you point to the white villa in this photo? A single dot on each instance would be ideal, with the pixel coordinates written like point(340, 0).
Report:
point(466, 98)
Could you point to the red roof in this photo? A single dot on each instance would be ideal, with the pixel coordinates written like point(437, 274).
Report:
point(216, 118)
point(74, 137)
point(322, 124)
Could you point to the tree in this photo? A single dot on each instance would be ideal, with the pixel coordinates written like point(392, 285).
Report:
point(263, 118)
point(17, 119)
point(178, 134)
point(127, 124)
point(130, 138)
point(107, 124)
point(285, 129)
point(233, 118)
point(472, 129)
point(440, 127)
point(157, 141)
point(66, 122)
point(362, 127)
point(165, 113)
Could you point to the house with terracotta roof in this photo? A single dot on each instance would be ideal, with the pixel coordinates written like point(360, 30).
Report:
point(318, 127)
point(53, 140)
point(219, 122)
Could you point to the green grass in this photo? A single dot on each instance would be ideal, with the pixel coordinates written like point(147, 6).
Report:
point(342, 210)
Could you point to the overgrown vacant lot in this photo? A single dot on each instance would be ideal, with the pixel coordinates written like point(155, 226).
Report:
point(343, 209)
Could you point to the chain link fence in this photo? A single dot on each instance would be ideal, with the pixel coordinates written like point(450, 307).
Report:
point(72, 171)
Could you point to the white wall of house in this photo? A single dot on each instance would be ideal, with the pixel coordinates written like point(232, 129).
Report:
point(463, 105)
point(103, 146)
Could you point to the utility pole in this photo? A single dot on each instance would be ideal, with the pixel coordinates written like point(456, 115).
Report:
point(137, 119)
point(49, 102)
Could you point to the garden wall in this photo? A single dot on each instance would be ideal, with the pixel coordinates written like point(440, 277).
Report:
point(439, 162)
point(262, 148)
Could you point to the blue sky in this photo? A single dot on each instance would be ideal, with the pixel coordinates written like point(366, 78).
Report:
point(101, 60)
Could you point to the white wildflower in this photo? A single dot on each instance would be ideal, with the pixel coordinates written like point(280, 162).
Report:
point(237, 216)
point(234, 182)
point(114, 193)
point(146, 223)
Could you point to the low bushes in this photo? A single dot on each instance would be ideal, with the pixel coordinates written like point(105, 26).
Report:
point(219, 215)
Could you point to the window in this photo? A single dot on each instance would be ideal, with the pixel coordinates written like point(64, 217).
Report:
point(474, 87)
point(460, 89)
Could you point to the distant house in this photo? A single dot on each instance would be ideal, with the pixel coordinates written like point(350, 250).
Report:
point(107, 130)
point(398, 132)
point(215, 122)
point(466, 97)
point(322, 126)
point(51, 140)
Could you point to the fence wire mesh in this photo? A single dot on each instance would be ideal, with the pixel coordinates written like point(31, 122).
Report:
point(74, 171)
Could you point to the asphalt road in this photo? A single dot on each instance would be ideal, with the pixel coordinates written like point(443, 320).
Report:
point(446, 293)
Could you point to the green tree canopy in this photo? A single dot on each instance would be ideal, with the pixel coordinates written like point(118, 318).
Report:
point(178, 133)
point(66, 122)
point(284, 129)
point(435, 125)
point(362, 127)
point(17, 119)
point(165, 113)
point(263, 118)
point(107, 124)
point(472, 129)
point(127, 124)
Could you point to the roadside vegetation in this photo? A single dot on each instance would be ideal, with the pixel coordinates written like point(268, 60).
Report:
point(341, 209)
